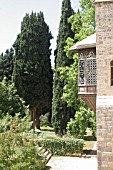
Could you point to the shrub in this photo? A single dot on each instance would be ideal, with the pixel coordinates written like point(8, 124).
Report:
point(9, 100)
point(84, 118)
point(44, 120)
point(20, 124)
point(5, 123)
point(17, 153)
point(16, 123)
point(62, 146)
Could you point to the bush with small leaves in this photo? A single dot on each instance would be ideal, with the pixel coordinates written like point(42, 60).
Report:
point(17, 153)
point(84, 118)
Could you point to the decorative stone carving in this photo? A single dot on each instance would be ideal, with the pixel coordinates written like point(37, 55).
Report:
point(81, 69)
point(91, 69)
point(87, 69)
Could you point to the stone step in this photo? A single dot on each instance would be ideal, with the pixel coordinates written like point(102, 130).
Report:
point(48, 157)
point(46, 153)
point(39, 148)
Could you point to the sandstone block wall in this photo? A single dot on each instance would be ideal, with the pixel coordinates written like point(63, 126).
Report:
point(104, 101)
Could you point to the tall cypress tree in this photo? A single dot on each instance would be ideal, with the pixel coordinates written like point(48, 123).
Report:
point(61, 114)
point(1, 67)
point(6, 64)
point(32, 67)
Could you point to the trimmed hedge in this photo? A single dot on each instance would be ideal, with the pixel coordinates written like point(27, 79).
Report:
point(62, 146)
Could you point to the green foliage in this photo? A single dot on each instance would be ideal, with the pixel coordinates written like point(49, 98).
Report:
point(16, 153)
point(44, 120)
point(32, 67)
point(15, 123)
point(5, 123)
point(62, 146)
point(10, 102)
point(60, 112)
point(6, 64)
point(83, 118)
point(82, 24)
point(20, 124)
point(92, 124)
point(70, 89)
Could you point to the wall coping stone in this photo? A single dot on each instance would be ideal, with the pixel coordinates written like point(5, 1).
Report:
point(96, 1)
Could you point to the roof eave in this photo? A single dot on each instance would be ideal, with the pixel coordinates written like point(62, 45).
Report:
point(78, 47)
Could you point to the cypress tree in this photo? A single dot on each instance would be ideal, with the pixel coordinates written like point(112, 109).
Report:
point(1, 67)
point(6, 64)
point(61, 114)
point(32, 67)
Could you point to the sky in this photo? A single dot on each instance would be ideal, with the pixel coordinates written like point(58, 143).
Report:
point(13, 11)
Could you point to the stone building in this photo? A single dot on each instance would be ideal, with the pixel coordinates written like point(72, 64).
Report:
point(96, 79)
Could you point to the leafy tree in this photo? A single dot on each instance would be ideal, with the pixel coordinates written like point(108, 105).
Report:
point(32, 67)
point(60, 112)
point(6, 64)
point(87, 17)
point(10, 102)
point(82, 24)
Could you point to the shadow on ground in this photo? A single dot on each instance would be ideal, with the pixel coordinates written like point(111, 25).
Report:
point(89, 138)
point(47, 168)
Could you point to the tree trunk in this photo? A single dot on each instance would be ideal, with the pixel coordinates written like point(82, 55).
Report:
point(32, 111)
point(37, 119)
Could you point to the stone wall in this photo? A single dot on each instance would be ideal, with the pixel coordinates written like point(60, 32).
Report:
point(104, 104)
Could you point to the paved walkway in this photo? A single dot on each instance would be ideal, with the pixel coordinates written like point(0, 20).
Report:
point(72, 163)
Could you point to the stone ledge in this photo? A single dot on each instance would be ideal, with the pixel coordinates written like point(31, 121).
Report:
point(96, 1)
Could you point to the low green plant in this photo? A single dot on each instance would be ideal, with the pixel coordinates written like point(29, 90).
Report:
point(62, 146)
point(17, 153)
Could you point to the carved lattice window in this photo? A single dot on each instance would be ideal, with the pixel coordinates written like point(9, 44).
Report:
point(111, 73)
point(81, 69)
point(87, 69)
point(91, 69)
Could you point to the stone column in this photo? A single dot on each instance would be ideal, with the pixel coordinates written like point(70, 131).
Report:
point(104, 101)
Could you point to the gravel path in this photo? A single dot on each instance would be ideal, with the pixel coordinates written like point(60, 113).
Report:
point(72, 163)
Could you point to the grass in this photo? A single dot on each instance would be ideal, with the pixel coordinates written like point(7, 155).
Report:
point(46, 128)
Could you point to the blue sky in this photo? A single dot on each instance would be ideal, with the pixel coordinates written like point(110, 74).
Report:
point(13, 11)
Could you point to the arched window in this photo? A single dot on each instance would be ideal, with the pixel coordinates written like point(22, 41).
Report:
point(111, 73)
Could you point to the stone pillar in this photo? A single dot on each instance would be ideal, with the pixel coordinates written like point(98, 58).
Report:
point(104, 101)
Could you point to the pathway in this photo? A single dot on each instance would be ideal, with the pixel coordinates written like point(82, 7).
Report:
point(72, 163)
